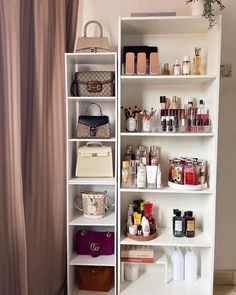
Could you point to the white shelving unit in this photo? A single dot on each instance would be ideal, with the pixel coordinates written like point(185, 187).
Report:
point(76, 106)
point(175, 37)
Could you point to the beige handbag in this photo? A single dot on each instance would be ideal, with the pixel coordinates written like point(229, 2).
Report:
point(94, 204)
point(94, 160)
point(92, 44)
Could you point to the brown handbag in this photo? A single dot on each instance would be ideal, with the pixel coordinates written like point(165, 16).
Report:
point(93, 126)
point(95, 278)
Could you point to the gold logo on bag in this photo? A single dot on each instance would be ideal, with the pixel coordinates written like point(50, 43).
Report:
point(94, 247)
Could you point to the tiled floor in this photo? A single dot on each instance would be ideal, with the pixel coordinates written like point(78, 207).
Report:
point(224, 290)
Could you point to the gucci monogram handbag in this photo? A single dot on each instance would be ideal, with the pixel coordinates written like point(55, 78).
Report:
point(93, 126)
point(93, 83)
point(94, 278)
point(94, 243)
point(94, 204)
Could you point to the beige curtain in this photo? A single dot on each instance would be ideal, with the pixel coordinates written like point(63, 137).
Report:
point(34, 34)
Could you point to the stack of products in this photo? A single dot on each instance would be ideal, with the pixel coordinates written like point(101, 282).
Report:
point(139, 254)
point(140, 221)
point(141, 168)
point(188, 119)
point(187, 171)
point(183, 226)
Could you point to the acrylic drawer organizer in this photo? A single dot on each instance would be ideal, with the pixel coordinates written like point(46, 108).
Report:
point(142, 238)
point(188, 187)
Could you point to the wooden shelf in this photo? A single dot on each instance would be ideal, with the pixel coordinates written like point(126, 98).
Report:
point(112, 139)
point(166, 134)
point(92, 181)
point(165, 190)
point(108, 220)
point(102, 260)
point(83, 292)
point(153, 283)
point(166, 80)
point(166, 239)
point(92, 99)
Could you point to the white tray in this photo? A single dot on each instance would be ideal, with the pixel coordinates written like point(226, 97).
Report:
point(198, 187)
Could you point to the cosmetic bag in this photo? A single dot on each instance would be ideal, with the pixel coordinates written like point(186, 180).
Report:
point(93, 83)
point(93, 126)
point(94, 278)
point(94, 160)
point(94, 243)
point(92, 44)
point(94, 204)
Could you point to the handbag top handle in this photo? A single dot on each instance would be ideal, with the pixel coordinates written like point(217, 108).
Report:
point(86, 112)
point(93, 22)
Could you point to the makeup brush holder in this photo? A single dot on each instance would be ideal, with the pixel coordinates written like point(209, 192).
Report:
point(147, 125)
point(131, 124)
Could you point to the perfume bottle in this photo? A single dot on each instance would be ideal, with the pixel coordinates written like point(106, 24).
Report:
point(132, 174)
point(166, 70)
point(197, 61)
point(186, 65)
point(125, 173)
point(176, 68)
point(129, 155)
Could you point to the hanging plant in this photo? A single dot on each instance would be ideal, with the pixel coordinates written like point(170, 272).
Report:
point(208, 10)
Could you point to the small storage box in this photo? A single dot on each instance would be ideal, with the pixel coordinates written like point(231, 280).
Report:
point(94, 160)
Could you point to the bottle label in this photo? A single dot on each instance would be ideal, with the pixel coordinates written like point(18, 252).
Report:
point(190, 225)
point(178, 225)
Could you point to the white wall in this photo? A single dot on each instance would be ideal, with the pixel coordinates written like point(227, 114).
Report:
point(107, 12)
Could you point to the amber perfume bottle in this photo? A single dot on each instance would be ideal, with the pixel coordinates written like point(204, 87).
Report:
point(166, 70)
point(190, 225)
point(197, 61)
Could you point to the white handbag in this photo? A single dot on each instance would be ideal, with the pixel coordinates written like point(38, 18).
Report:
point(94, 160)
point(92, 44)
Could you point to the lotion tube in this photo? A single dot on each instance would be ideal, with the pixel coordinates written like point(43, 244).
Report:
point(151, 175)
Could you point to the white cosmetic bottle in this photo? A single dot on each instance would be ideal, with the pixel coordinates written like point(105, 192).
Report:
point(177, 259)
point(190, 265)
point(145, 227)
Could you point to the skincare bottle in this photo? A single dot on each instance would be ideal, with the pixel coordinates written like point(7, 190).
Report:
point(178, 224)
point(151, 176)
point(159, 181)
point(141, 176)
point(129, 155)
point(166, 70)
point(149, 216)
point(191, 265)
point(183, 121)
point(132, 174)
point(186, 65)
point(154, 155)
point(177, 260)
point(145, 227)
point(163, 102)
point(177, 68)
point(190, 225)
point(125, 173)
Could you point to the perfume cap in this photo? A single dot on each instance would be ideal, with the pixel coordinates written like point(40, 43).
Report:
point(190, 213)
point(201, 102)
point(125, 164)
point(186, 58)
point(162, 99)
point(176, 62)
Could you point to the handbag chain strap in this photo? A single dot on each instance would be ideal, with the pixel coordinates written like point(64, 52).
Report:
point(86, 112)
point(93, 22)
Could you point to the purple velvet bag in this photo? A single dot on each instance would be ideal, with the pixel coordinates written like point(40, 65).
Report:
point(94, 243)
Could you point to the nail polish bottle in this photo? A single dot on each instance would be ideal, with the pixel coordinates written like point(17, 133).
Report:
point(190, 225)
point(178, 224)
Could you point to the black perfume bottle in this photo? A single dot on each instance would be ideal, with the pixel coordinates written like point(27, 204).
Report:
point(178, 224)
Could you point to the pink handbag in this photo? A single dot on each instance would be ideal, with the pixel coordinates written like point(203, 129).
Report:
point(94, 243)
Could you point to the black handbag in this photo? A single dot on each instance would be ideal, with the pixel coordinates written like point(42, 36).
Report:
point(93, 126)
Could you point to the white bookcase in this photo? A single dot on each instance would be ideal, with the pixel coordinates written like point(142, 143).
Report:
point(175, 37)
point(76, 106)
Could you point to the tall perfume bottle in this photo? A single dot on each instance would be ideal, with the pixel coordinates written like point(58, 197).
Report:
point(197, 61)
